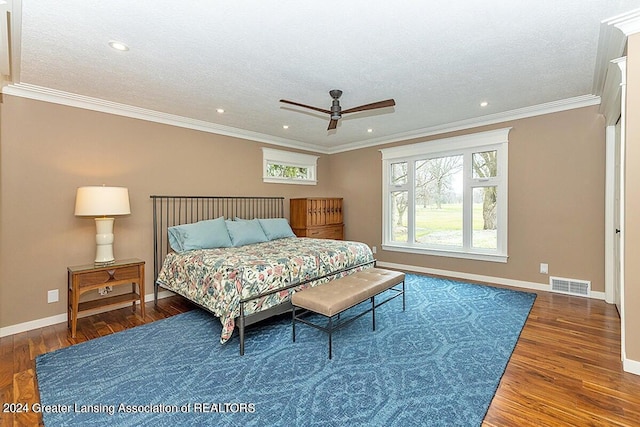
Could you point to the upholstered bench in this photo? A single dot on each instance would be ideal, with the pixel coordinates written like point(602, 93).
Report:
point(334, 297)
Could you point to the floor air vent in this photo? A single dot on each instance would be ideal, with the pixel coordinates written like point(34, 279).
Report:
point(570, 286)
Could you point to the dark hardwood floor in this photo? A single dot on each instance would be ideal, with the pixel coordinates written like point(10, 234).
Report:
point(565, 370)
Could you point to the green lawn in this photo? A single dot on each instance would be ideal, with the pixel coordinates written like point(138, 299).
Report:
point(444, 226)
point(448, 217)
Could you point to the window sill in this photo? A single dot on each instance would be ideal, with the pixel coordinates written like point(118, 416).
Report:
point(478, 256)
point(273, 180)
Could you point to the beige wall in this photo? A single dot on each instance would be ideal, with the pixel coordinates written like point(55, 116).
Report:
point(556, 200)
point(48, 150)
point(631, 227)
point(556, 194)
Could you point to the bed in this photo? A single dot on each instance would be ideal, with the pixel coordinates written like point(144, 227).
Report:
point(244, 284)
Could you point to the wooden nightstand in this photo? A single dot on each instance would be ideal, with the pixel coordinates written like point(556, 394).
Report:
point(84, 278)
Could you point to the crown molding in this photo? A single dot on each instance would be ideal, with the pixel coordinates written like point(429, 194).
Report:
point(520, 113)
point(612, 42)
point(5, 59)
point(40, 93)
point(628, 23)
point(10, 41)
point(610, 107)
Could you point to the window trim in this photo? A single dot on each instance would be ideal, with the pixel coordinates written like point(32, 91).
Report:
point(465, 144)
point(289, 158)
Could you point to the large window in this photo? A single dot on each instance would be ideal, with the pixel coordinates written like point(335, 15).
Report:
point(448, 197)
point(288, 167)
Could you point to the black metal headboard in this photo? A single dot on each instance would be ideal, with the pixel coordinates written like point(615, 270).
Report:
point(175, 210)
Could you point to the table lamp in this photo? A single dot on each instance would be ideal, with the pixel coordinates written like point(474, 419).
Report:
point(103, 203)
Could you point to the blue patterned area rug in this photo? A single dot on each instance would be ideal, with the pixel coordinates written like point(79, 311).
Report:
point(437, 363)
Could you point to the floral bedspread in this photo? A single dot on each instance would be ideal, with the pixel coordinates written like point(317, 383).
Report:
point(218, 279)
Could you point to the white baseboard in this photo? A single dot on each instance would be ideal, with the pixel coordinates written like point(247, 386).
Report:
point(631, 366)
point(479, 278)
point(61, 318)
point(33, 324)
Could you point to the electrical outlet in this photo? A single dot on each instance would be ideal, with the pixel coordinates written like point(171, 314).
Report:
point(105, 290)
point(52, 296)
point(374, 249)
point(544, 268)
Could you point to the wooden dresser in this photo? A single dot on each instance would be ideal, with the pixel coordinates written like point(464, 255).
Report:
point(317, 217)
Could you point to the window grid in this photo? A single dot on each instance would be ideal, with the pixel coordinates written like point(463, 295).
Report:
point(489, 150)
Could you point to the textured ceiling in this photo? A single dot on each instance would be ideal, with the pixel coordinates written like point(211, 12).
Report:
point(438, 60)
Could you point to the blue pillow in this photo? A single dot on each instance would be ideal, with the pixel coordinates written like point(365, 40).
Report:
point(207, 234)
point(245, 232)
point(175, 238)
point(276, 228)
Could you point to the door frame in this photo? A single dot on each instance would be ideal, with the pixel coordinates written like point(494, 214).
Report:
point(614, 266)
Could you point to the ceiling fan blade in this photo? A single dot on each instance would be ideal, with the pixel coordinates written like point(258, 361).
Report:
point(332, 124)
point(322, 110)
point(372, 106)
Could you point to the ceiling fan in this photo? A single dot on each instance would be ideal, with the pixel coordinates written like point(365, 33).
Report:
point(336, 111)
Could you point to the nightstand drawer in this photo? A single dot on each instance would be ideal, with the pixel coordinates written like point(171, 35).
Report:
point(93, 278)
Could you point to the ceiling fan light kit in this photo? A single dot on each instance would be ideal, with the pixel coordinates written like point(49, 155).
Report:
point(336, 112)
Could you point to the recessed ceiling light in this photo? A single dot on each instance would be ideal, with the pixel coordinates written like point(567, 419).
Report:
point(285, 126)
point(220, 110)
point(118, 45)
point(369, 130)
point(484, 103)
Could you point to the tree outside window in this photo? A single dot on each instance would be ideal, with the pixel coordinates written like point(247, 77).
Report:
point(448, 197)
point(286, 167)
point(284, 171)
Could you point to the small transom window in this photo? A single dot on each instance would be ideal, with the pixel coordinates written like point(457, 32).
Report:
point(286, 167)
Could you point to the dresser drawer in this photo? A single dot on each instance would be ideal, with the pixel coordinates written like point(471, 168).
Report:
point(93, 278)
point(326, 232)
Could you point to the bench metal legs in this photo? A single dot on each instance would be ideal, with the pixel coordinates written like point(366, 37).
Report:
point(331, 327)
point(330, 331)
point(373, 311)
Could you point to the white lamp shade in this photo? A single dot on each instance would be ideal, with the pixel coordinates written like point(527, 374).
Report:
point(102, 201)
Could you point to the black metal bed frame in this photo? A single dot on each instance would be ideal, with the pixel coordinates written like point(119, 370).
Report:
point(176, 210)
